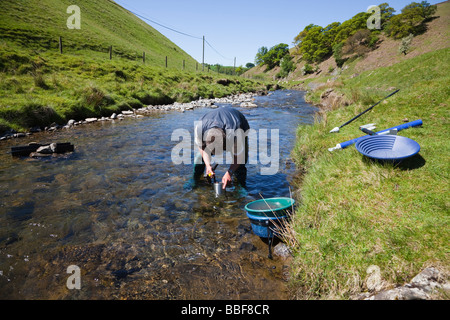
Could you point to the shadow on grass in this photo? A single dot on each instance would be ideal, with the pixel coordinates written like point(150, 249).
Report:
point(415, 162)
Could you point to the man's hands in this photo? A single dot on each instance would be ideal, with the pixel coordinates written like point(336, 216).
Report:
point(209, 171)
point(226, 180)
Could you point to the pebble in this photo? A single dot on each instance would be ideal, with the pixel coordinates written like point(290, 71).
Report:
point(282, 250)
point(244, 100)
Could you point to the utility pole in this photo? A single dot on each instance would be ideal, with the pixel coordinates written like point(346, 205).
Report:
point(203, 58)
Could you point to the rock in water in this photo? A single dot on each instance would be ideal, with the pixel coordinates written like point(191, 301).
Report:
point(45, 150)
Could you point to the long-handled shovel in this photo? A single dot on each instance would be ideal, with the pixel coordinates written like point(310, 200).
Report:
point(359, 115)
point(393, 130)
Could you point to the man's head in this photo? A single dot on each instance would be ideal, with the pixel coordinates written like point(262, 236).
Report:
point(214, 139)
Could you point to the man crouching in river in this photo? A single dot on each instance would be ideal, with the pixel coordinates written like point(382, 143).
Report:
point(222, 129)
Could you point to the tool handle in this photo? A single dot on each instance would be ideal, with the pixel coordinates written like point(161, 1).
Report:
point(367, 131)
point(404, 126)
point(367, 110)
point(213, 169)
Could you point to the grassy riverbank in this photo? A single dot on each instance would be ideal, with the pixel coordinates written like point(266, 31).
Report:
point(38, 88)
point(356, 213)
point(38, 85)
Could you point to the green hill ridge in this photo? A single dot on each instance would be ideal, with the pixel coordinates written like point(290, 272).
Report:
point(39, 24)
point(39, 85)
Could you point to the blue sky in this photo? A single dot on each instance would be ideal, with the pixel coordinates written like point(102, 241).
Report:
point(238, 28)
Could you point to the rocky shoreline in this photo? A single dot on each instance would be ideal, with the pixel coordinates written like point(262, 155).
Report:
point(243, 100)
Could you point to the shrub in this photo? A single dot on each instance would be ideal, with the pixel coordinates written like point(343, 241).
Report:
point(30, 115)
point(361, 42)
point(39, 80)
point(287, 65)
point(307, 69)
point(337, 54)
point(406, 43)
point(93, 96)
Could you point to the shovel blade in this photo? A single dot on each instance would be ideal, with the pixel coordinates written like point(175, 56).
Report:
point(335, 130)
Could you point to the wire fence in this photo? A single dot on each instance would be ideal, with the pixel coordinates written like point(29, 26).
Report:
point(112, 52)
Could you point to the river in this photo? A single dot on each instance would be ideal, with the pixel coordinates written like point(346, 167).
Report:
point(121, 211)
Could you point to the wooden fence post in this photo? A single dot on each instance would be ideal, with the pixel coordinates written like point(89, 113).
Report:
point(166, 61)
point(143, 57)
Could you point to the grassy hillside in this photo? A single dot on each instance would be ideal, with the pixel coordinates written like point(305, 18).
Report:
point(356, 213)
point(38, 85)
point(39, 24)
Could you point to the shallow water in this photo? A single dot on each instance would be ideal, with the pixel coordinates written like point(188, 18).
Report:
point(120, 210)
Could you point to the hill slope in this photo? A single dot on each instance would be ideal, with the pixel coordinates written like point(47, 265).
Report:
point(386, 53)
point(38, 24)
point(38, 85)
point(356, 213)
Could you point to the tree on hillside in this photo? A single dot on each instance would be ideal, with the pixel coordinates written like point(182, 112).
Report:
point(316, 43)
point(299, 38)
point(412, 20)
point(259, 59)
point(239, 70)
point(313, 46)
point(349, 27)
point(387, 13)
point(272, 57)
point(423, 9)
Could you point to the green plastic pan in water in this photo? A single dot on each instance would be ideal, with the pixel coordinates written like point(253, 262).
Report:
point(272, 207)
point(266, 215)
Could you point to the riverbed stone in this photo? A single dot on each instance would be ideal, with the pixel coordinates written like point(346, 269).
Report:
point(282, 250)
point(20, 135)
point(157, 210)
point(422, 287)
point(44, 150)
point(247, 246)
point(40, 155)
point(248, 105)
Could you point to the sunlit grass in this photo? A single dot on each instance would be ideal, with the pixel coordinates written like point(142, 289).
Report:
point(356, 212)
point(76, 87)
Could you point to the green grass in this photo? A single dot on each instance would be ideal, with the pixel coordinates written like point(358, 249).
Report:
point(37, 89)
point(38, 85)
point(354, 212)
point(39, 24)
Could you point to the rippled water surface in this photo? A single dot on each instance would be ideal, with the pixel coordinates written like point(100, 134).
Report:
point(120, 210)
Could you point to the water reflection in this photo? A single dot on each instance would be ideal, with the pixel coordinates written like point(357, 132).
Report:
point(120, 210)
